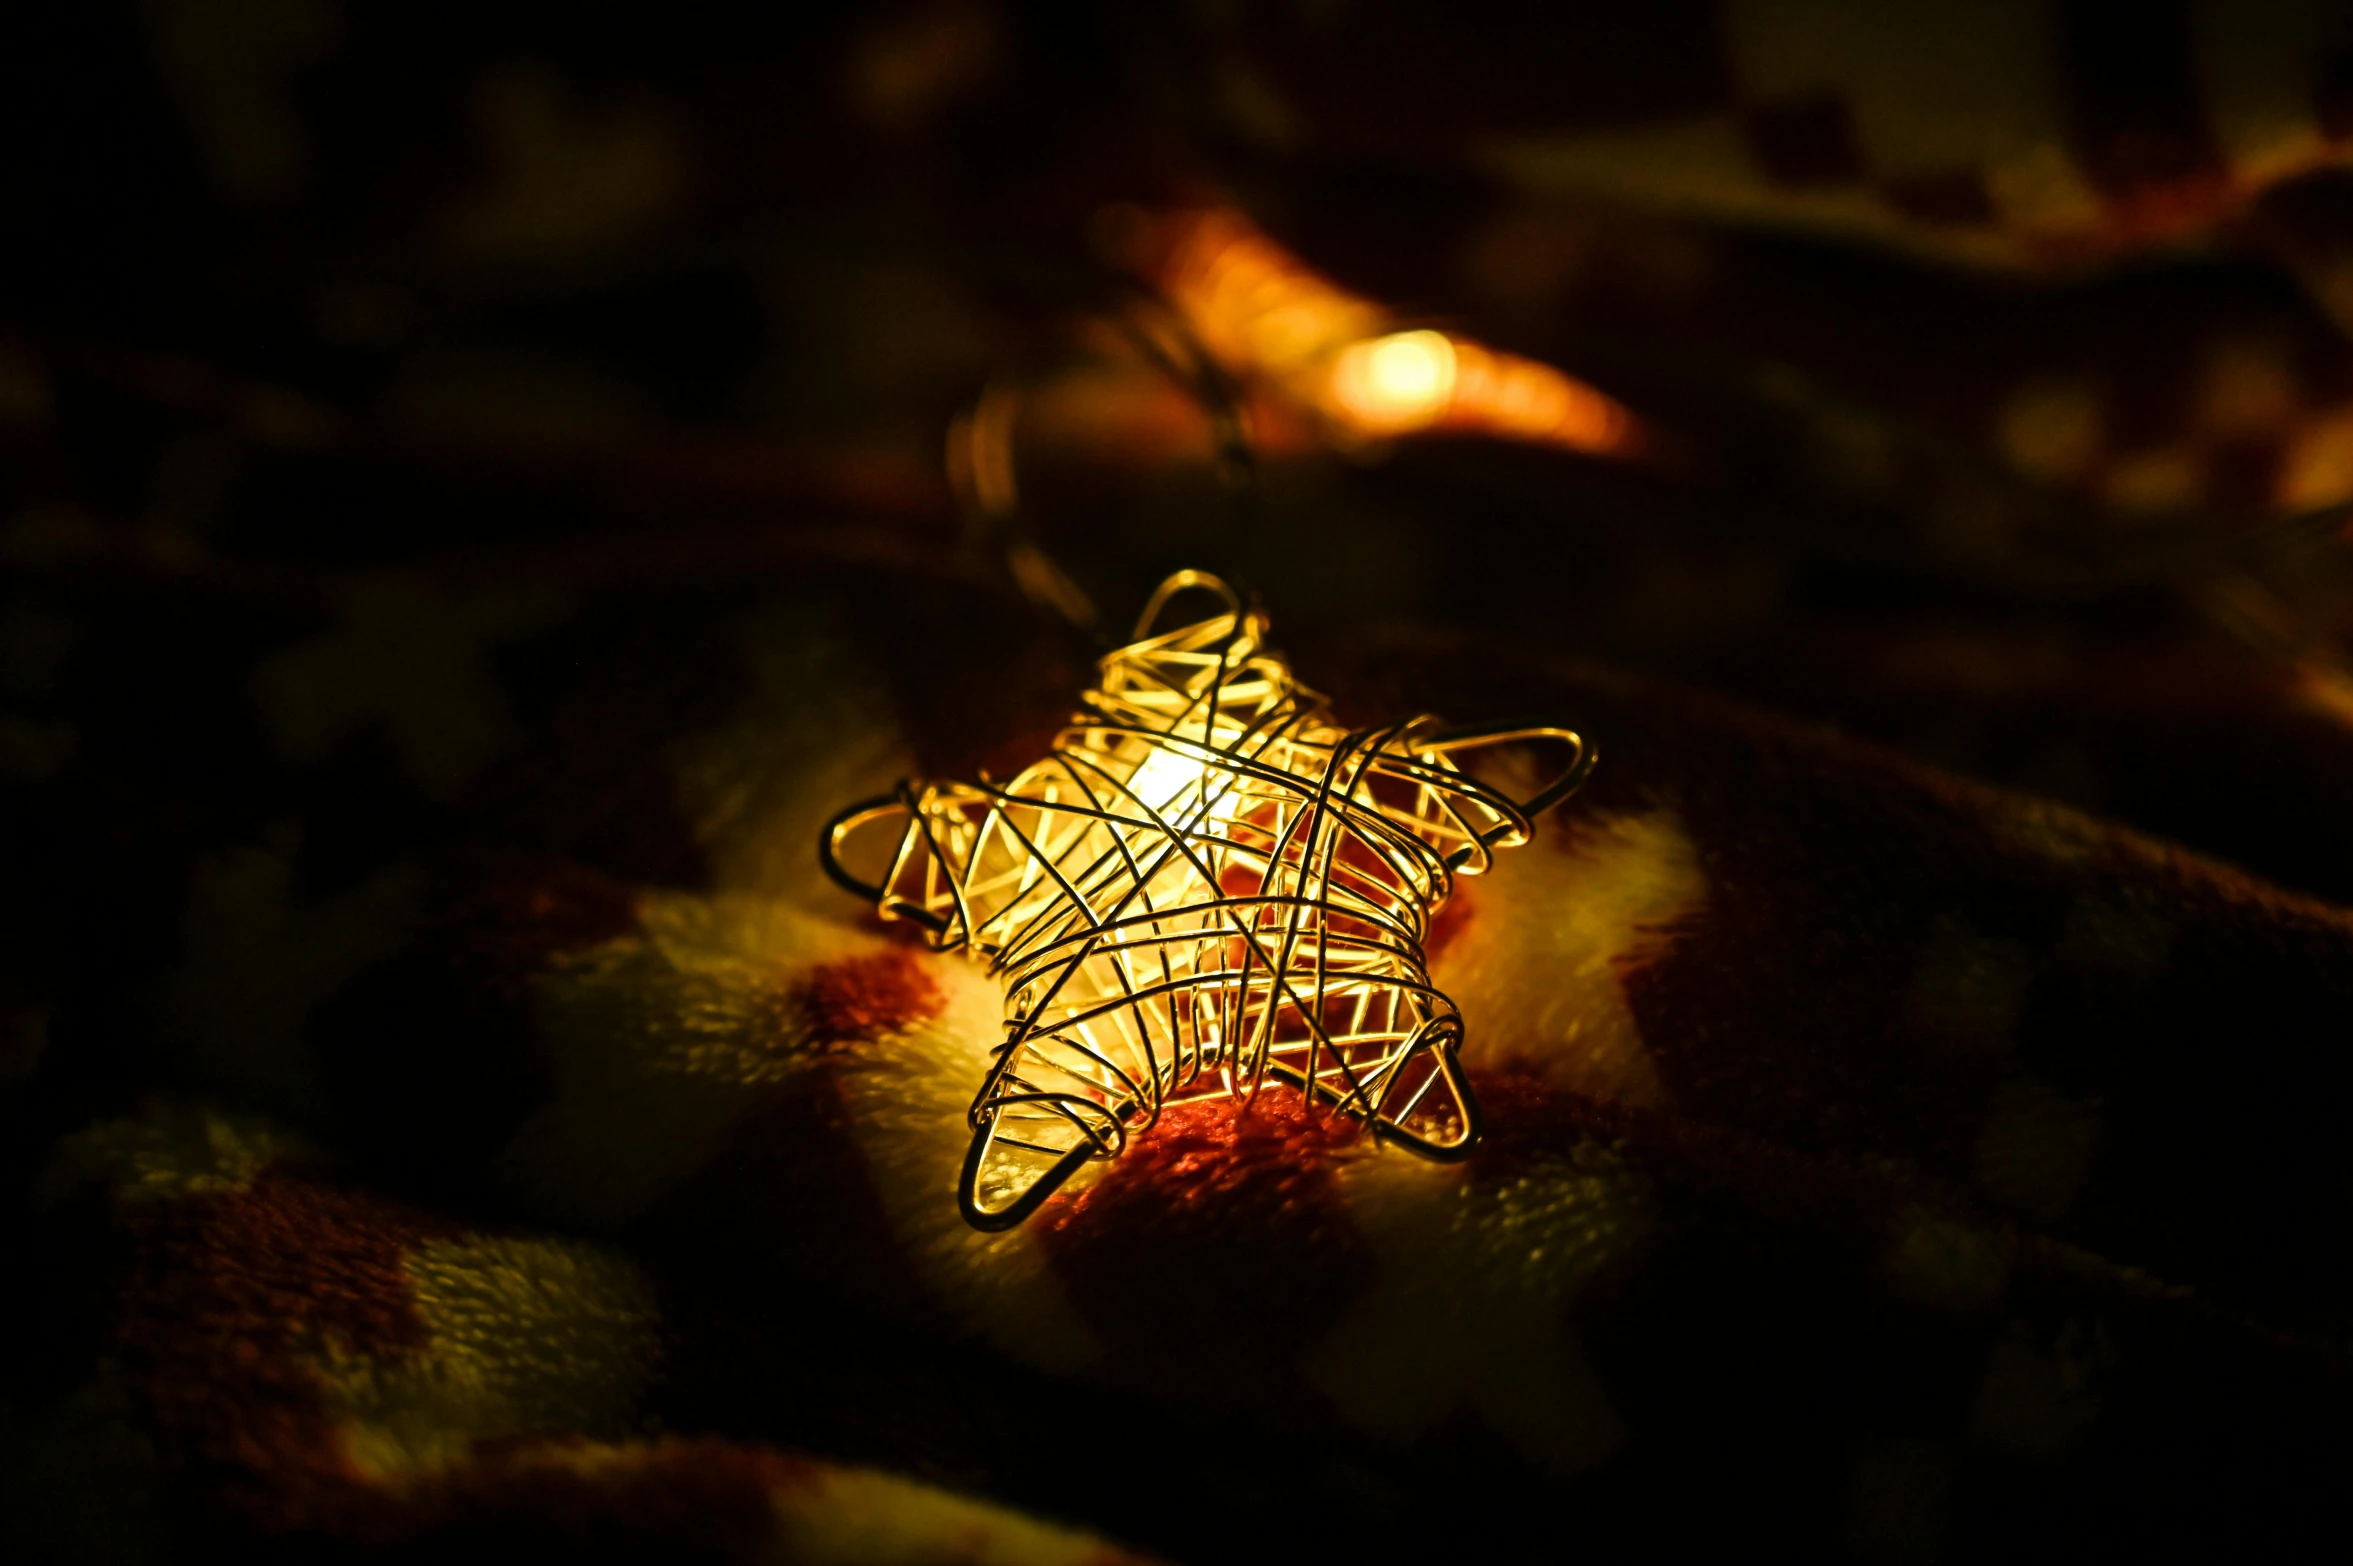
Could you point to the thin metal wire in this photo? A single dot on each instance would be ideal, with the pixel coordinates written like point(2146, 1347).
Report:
point(982, 461)
point(1205, 884)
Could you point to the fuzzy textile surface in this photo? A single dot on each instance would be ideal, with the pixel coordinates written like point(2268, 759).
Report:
point(1865, 1148)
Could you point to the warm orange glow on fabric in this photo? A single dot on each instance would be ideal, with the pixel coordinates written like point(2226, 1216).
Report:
point(1206, 884)
point(1263, 312)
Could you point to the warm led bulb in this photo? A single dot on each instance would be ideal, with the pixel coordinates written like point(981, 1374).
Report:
point(1398, 382)
point(1165, 778)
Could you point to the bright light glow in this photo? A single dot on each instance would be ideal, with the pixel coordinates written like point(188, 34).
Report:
point(1400, 382)
point(1167, 778)
point(1260, 919)
point(1263, 313)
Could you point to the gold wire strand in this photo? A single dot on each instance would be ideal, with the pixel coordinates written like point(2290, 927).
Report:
point(1205, 884)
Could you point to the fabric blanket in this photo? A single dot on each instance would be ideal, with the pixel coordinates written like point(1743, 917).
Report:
point(513, 1138)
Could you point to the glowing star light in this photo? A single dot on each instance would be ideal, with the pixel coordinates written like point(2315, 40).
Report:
point(1204, 884)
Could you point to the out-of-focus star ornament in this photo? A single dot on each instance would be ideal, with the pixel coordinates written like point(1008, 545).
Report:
point(1205, 883)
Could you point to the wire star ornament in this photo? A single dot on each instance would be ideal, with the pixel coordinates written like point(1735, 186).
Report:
point(1205, 884)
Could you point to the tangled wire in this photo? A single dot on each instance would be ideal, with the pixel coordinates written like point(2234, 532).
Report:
point(1204, 884)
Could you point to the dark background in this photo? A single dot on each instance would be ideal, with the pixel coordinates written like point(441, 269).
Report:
point(292, 288)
